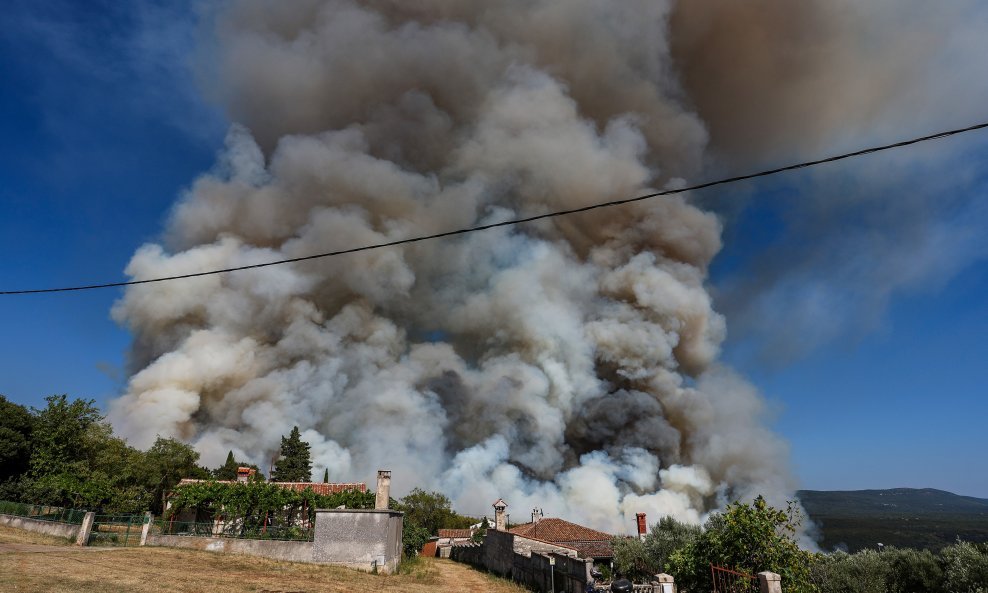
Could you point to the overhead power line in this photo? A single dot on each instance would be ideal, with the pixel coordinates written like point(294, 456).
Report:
point(514, 221)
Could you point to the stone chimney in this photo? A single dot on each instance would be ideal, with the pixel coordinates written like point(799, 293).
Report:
point(642, 526)
point(500, 516)
point(383, 489)
point(536, 515)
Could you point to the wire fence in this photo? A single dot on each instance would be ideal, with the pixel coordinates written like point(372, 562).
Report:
point(234, 529)
point(117, 530)
point(42, 512)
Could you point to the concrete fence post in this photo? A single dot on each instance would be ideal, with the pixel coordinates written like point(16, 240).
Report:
point(147, 527)
point(769, 582)
point(87, 526)
point(663, 583)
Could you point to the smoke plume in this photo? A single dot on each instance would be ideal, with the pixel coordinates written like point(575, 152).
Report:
point(568, 364)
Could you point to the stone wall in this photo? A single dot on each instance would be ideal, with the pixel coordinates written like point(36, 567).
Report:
point(365, 539)
point(527, 561)
point(265, 548)
point(539, 574)
point(66, 530)
point(498, 552)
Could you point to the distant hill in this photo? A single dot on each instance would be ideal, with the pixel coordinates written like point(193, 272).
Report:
point(901, 517)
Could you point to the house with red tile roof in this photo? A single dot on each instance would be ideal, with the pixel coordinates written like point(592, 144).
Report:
point(588, 543)
point(243, 476)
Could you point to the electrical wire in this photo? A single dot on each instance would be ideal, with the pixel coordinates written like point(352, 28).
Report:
point(516, 221)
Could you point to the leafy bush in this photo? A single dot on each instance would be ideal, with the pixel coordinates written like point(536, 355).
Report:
point(965, 567)
point(413, 537)
point(747, 538)
point(840, 572)
point(254, 504)
point(913, 571)
point(639, 560)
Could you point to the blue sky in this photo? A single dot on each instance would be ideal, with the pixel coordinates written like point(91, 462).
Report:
point(102, 126)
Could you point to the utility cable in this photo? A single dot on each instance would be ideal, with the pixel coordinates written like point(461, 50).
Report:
point(515, 221)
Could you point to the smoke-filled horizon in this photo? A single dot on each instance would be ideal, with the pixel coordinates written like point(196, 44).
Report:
point(569, 364)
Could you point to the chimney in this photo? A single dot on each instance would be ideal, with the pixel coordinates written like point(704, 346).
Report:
point(500, 517)
point(536, 515)
point(383, 489)
point(642, 527)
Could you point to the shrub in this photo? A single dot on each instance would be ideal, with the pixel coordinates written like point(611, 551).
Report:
point(965, 567)
point(864, 572)
point(747, 538)
point(913, 571)
point(638, 560)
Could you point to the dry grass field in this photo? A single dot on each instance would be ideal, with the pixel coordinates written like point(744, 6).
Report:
point(31, 562)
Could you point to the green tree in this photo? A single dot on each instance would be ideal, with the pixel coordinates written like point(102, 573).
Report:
point(227, 471)
point(294, 463)
point(425, 513)
point(639, 559)
point(16, 425)
point(59, 435)
point(167, 462)
point(864, 572)
point(432, 511)
point(631, 560)
point(325, 476)
point(102, 472)
point(413, 537)
point(747, 538)
point(913, 571)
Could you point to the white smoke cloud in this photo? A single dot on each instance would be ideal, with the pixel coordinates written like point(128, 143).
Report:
point(568, 364)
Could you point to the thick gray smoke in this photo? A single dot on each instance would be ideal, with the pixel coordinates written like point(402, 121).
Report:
point(568, 364)
point(778, 82)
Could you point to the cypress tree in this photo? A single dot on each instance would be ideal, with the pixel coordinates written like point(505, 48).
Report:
point(227, 471)
point(325, 476)
point(294, 463)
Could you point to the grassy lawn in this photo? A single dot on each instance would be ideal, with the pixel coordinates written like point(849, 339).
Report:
point(65, 568)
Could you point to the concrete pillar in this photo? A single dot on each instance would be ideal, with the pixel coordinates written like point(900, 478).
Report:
point(383, 489)
point(147, 527)
point(769, 582)
point(663, 583)
point(87, 526)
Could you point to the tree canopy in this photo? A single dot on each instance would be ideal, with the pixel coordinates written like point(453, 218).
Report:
point(748, 538)
point(16, 425)
point(640, 559)
point(294, 463)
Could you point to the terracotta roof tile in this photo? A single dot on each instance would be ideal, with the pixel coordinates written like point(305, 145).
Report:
point(589, 543)
point(595, 550)
point(455, 533)
point(558, 530)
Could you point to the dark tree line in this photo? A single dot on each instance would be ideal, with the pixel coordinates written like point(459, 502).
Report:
point(65, 454)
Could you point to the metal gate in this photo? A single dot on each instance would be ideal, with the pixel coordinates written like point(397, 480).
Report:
point(726, 580)
point(117, 530)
